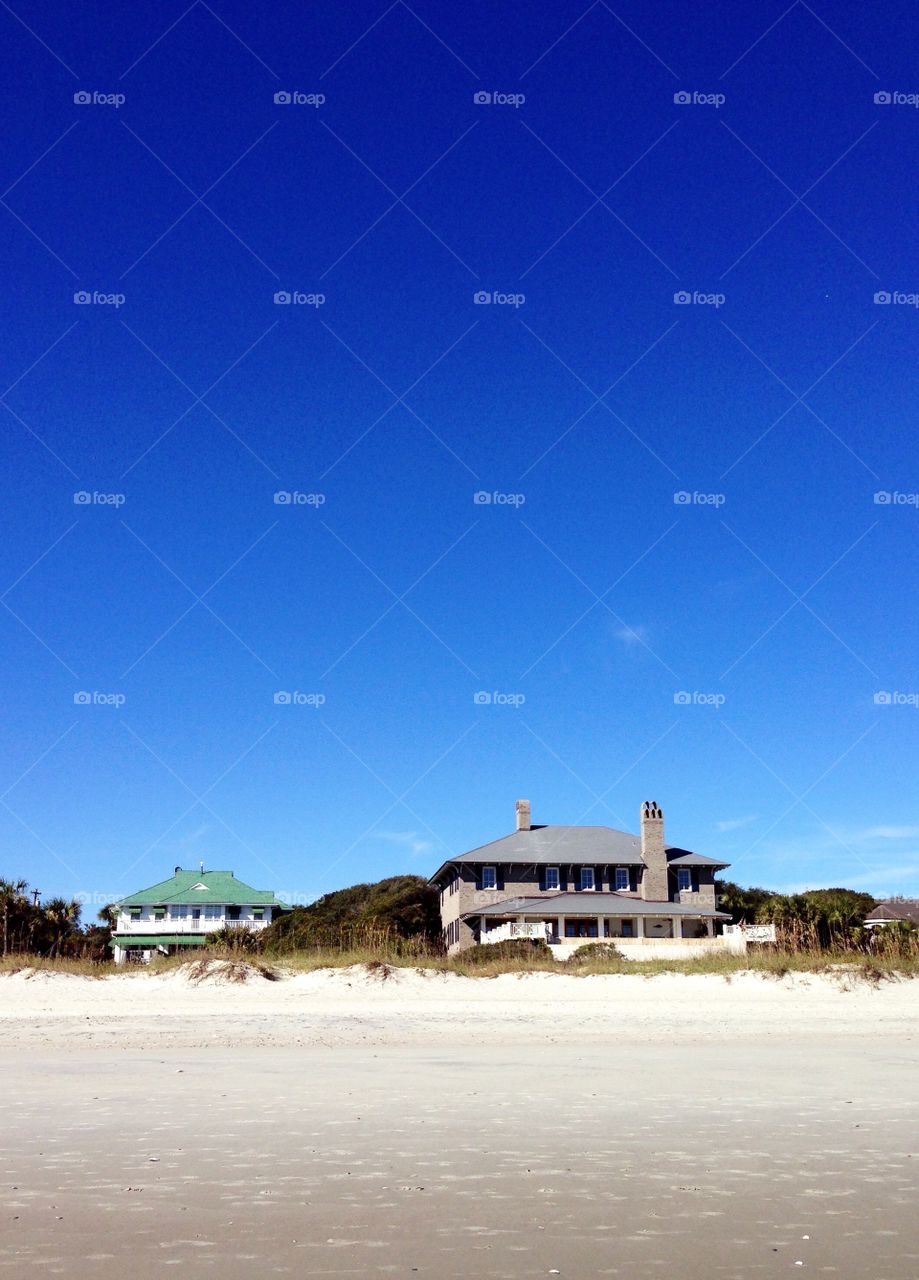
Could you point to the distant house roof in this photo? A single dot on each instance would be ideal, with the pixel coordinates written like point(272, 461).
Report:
point(550, 845)
point(907, 909)
point(592, 905)
point(195, 887)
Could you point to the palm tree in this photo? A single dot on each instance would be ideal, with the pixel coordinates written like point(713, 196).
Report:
point(12, 893)
point(63, 918)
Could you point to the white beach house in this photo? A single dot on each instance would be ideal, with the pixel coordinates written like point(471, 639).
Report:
point(180, 913)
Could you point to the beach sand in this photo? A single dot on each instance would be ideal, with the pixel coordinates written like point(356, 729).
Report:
point(341, 1125)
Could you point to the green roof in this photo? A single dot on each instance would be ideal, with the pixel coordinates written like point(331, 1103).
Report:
point(158, 940)
point(220, 887)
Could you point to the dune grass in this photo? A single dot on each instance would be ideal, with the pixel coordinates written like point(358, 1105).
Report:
point(489, 962)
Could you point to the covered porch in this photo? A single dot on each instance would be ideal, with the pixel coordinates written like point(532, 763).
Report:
point(638, 928)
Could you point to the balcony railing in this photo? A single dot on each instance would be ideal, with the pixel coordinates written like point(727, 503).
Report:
point(185, 924)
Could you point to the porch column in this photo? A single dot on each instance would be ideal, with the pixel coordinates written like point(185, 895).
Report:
point(710, 928)
point(676, 929)
point(561, 928)
point(599, 928)
point(639, 926)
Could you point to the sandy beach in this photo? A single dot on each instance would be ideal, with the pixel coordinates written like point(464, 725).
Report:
point(339, 1124)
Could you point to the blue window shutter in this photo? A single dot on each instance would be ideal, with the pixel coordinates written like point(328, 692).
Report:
point(563, 879)
point(499, 876)
point(598, 878)
point(542, 879)
point(478, 877)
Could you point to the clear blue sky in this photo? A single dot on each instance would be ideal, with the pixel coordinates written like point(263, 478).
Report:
point(782, 607)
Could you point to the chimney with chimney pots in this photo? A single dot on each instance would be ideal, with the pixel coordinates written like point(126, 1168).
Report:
point(523, 815)
point(654, 882)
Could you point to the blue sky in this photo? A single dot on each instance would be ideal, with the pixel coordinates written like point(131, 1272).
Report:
point(680, 398)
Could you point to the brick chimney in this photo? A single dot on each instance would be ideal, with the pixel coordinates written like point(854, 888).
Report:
point(523, 815)
point(654, 882)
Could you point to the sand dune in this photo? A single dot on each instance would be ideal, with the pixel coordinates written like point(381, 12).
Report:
point(354, 1005)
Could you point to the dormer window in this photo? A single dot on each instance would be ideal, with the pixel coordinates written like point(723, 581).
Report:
point(552, 878)
point(489, 877)
point(587, 878)
point(621, 883)
point(684, 879)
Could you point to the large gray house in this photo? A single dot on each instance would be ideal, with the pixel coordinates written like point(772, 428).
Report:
point(569, 885)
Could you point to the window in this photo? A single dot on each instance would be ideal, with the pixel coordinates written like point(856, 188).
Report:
point(622, 879)
point(179, 912)
point(258, 913)
point(135, 912)
point(552, 878)
point(587, 877)
point(159, 913)
point(489, 877)
point(233, 913)
point(683, 878)
point(212, 913)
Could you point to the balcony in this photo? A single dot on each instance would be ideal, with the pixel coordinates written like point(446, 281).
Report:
point(184, 924)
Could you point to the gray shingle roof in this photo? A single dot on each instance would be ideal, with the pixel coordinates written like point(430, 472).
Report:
point(552, 845)
point(907, 909)
point(594, 904)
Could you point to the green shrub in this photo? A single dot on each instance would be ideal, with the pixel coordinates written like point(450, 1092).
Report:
point(605, 953)
point(529, 950)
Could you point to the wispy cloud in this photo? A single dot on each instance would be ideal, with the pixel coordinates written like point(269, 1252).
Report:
point(885, 833)
point(409, 840)
point(733, 824)
point(632, 635)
